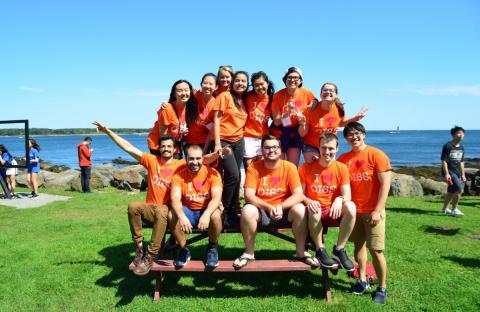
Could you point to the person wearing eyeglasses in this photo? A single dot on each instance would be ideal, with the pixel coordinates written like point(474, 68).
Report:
point(224, 78)
point(370, 175)
point(273, 196)
point(288, 105)
point(258, 105)
point(229, 117)
point(175, 118)
point(325, 117)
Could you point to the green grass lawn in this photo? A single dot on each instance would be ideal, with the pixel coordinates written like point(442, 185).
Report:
point(74, 255)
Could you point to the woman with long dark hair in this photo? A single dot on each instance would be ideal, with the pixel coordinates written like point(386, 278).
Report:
point(8, 174)
point(258, 106)
point(229, 120)
point(176, 117)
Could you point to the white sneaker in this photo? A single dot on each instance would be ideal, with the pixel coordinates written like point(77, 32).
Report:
point(447, 211)
point(457, 213)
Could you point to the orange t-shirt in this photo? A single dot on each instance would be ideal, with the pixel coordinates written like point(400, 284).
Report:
point(166, 117)
point(159, 178)
point(220, 90)
point(198, 131)
point(258, 114)
point(301, 99)
point(272, 185)
point(233, 119)
point(320, 121)
point(196, 187)
point(323, 183)
point(364, 168)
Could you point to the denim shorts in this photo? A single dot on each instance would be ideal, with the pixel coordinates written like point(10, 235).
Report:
point(282, 223)
point(192, 215)
point(457, 185)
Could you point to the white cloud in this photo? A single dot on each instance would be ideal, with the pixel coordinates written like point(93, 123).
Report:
point(29, 89)
point(473, 90)
point(145, 93)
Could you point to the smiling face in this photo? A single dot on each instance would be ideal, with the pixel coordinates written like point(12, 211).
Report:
point(209, 85)
point(194, 159)
point(328, 92)
point(166, 149)
point(260, 86)
point(356, 139)
point(182, 92)
point(328, 150)
point(293, 80)
point(271, 150)
point(225, 78)
point(240, 83)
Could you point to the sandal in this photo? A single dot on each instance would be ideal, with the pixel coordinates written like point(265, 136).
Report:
point(242, 261)
point(309, 260)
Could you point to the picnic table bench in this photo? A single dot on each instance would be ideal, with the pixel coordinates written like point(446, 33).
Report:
point(282, 265)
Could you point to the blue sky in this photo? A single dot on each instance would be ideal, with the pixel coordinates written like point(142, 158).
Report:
point(414, 64)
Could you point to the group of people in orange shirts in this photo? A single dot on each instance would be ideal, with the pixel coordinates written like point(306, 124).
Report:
point(267, 131)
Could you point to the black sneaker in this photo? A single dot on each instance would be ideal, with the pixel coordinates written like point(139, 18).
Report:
point(380, 295)
point(360, 287)
point(182, 258)
point(325, 260)
point(343, 259)
point(212, 257)
point(34, 195)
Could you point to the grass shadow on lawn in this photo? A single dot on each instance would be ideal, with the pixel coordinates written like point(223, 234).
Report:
point(414, 211)
point(213, 285)
point(466, 262)
point(441, 230)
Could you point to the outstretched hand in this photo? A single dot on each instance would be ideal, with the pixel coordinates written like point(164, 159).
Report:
point(100, 127)
point(362, 113)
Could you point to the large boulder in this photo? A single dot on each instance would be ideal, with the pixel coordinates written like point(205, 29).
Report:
point(97, 181)
point(62, 180)
point(52, 167)
point(129, 177)
point(405, 186)
point(22, 180)
point(432, 187)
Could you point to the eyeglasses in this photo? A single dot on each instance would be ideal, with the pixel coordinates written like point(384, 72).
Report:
point(354, 134)
point(329, 90)
point(226, 66)
point(293, 78)
point(271, 148)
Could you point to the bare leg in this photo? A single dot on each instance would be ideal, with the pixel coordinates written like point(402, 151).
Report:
point(293, 155)
point(215, 226)
point(175, 229)
point(380, 264)
point(347, 223)
point(448, 199)
point(248, 225)
point(34, 183)
point(315, 228)
point(455, 199)
point(361, 258)
point(297, 215)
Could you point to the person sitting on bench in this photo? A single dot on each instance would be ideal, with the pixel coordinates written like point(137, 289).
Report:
point(196, 194)
point(160, 169)
point(273, 194)
point(326, 184)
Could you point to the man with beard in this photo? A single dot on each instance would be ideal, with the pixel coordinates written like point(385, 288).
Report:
point(154, 210)
point(273, 194)
point(196, 194)
point(326, 185)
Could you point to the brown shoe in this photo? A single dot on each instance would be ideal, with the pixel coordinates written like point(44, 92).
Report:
point(138, 256)
point(144, 267)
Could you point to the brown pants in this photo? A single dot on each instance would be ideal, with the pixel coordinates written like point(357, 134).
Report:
point(155, 214)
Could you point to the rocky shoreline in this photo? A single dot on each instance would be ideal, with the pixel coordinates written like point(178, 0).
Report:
point(406, 181)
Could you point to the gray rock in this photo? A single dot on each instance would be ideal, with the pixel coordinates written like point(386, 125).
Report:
point(432, 187)
point(62, 180)
point(405, 186)
point(22, 180)
point(133, 176)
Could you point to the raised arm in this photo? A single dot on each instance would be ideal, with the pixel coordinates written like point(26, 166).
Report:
point(362, 113)
point(121, 142)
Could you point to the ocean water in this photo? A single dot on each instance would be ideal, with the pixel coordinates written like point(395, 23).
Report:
point(407, 148)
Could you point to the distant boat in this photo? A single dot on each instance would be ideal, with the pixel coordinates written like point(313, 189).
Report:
point(396, 131)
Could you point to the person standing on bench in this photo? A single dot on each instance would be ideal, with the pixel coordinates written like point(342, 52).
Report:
point(370, 174)
point(196, 194)
point(273, 194)
point(326, 185)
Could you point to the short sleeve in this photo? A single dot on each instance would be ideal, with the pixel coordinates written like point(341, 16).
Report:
point(251, 177)
point(293, 176)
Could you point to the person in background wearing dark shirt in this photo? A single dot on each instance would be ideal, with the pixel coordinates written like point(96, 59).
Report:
point(84, 154)
point(454, 171)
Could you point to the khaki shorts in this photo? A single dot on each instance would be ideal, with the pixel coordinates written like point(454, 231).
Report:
point(364, 232)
